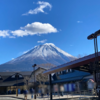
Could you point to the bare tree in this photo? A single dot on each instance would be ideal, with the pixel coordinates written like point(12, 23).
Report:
point(26, 79)
point(85, 54)
point(41, 78)
point(72, 59)
point(79, 56)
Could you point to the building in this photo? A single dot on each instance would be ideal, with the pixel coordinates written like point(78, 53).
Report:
point(69, 80)
point(35, 83)
point(9, 81)
point(36, 72)
point(85, 64)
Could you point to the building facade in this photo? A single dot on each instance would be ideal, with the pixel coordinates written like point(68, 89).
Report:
point(9, 82)
point(70, 80)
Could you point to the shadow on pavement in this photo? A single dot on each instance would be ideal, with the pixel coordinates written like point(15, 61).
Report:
point(77, 98)
point(15, 97)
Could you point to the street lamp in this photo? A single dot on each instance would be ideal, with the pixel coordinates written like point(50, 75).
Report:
point(94, 35)
point(34, 80)
point(90, 37)
point(16, 76)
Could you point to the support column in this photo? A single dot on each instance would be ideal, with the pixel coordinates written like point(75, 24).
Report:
point(96, 64)
point(50, 82)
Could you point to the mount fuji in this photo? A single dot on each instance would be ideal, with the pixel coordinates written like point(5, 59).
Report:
point(46, 53)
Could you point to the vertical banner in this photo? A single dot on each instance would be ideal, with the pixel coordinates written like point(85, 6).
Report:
point(67, 87)
point(56, 88)
point(70, 86)
point(73, 87)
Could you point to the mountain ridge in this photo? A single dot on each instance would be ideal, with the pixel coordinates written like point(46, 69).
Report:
point(46, 53)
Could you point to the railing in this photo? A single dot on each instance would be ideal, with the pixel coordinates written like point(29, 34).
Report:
point(79, 95)
point(76, 94)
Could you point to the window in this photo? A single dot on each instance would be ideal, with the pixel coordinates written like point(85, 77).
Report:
point(13, 76)
point(67, 70)
point(20, 76)
point(70, 70)
point(61, 72)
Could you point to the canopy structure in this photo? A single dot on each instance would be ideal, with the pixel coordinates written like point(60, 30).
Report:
point(85, 64)
point(82, 64)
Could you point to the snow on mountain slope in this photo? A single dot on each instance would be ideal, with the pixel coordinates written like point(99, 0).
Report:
point(47, 53)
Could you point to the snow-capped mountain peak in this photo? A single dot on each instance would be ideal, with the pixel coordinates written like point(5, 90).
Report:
point(49, 44)
point(46, 53)
point(45, 50)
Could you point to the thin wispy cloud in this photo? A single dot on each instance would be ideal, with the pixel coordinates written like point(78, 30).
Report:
point(79, 21)
point(12, 58)
point(35, 28)
point(42, 6)
point(42, 41)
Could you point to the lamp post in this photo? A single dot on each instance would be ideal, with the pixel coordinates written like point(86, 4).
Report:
point(34, 80)
point(96, 64)
point(16, 76)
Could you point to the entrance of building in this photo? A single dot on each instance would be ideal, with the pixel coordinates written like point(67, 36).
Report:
point(3, 90)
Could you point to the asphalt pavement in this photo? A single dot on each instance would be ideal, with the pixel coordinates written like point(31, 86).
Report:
point(65, 97)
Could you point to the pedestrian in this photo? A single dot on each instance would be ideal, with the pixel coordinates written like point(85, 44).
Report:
point(47, 94)
point(25, 94)
point(42, 95)
point(61, 94)
point(32, 91)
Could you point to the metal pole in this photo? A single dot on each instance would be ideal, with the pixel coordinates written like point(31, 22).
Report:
point(96, 63)
point(34, 85)
point(16, 84)
point(50, 86)
point(16, 87)
point(97, 67)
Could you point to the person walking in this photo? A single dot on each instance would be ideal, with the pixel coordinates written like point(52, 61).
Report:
point(25, 94)
point(32, 91)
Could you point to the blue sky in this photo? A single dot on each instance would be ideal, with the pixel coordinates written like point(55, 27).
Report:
point(66, 23)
